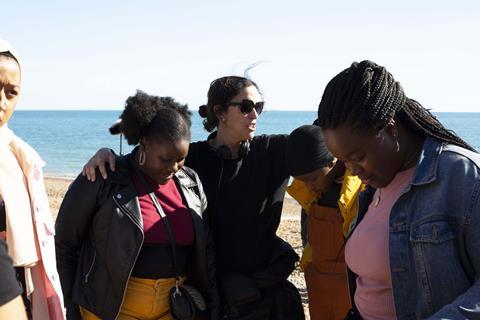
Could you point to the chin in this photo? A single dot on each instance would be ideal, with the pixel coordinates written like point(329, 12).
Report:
point(250, 135)
point(164, 181)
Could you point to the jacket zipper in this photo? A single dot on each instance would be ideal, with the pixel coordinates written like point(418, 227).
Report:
point(125, 211)
point(91, 267)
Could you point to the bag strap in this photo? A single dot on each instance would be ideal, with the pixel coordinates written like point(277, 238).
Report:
point(162, 214)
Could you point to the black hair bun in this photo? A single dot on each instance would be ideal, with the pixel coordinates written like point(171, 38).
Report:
point(202, 111)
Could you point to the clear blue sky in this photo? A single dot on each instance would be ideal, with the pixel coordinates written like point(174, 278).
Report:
point(93, 54)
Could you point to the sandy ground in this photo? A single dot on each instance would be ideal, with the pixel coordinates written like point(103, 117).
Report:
point(289, 227)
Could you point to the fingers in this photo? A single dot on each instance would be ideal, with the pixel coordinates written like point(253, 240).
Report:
point(105, 156)
point(111, 160)
point(98, 161)
point(89, 169)
point(102, 168)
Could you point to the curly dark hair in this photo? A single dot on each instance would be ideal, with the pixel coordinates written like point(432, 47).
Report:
point(221, 91)
point(153, 117)
point(366, 97)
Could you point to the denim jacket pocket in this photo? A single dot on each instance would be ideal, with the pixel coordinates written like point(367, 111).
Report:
point(440, 276)
point(437, 231)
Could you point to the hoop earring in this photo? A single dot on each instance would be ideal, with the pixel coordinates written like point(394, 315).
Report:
point(142, 157)
point(395, 136)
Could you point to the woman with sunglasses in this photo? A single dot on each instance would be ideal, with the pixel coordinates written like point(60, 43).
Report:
point(244, 177)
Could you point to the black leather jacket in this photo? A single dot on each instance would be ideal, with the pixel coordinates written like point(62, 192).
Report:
point(99, 234)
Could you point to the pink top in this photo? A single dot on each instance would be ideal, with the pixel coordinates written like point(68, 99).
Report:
point(367, 253)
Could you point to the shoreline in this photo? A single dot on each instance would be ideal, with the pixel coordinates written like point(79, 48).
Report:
point(56, 187)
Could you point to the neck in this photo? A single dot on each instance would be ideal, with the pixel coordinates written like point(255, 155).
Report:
point(411, 143)
point(224, 138)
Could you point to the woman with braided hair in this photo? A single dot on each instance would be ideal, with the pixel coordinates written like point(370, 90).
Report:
point(414, 248)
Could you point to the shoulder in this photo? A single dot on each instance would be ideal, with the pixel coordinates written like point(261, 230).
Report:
point(270, 141)
point(453, 174)
point(198, 146)
point(270, 138)
point(187, 176)
point(199, 155)
point(458, 160)
point(455, 153)
point(25, 151)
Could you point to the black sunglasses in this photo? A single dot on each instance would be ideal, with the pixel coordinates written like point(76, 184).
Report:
point(246, 106)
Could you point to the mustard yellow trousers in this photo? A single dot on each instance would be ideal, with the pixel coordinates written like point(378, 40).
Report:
point(145, 299)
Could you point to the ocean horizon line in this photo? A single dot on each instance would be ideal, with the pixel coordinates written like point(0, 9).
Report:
point(267, 110)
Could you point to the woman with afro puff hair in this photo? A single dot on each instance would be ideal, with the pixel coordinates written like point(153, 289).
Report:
point(114, 250)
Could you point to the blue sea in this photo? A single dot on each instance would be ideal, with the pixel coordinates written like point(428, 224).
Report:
point(67, 139)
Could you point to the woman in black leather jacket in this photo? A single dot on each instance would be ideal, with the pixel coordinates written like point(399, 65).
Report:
point(114, 253)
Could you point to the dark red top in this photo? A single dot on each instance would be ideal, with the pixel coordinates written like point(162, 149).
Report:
point(172, 204)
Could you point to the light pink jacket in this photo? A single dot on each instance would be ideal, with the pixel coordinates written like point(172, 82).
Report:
point(47, 297)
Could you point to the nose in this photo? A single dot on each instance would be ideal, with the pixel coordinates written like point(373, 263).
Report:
point(253, 114)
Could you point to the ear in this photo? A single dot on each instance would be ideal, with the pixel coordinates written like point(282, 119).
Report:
point(219, 111)
point(143, 142)
point(392, 129)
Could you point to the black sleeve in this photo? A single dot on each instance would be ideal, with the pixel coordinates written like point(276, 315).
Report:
point(280, 265)
point(9, 288)
point(73, 221)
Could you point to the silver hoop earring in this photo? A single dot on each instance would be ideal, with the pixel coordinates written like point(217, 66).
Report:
point(395, 136)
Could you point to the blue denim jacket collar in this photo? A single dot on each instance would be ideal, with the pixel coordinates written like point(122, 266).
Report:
point(427, 163)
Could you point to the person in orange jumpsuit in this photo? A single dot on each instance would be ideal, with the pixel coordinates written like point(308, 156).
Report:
point(327, 191)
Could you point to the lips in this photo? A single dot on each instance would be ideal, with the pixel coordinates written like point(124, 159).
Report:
point(252, 126)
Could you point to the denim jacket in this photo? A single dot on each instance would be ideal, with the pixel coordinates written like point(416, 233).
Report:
point(434, 237)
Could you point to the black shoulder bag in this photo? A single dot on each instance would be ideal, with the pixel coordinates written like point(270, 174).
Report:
point(185, 301)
